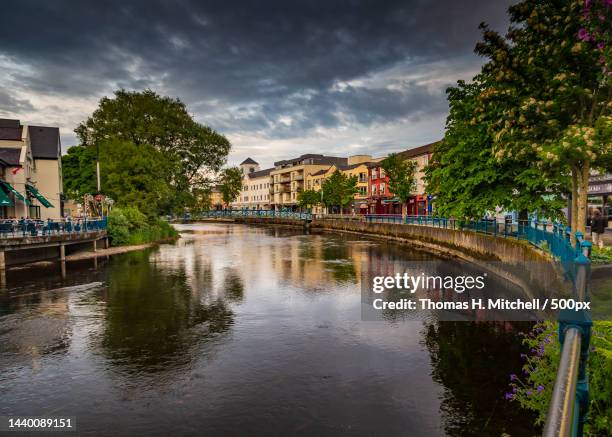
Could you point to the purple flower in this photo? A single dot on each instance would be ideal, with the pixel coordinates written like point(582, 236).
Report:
point(528, 392)
point(526, 372)
point(509, 396)
point(513, 377)
point(540, 388)
point(583, 35)
point(524, 356)
point(587, 4)
point(514, 389)
point(592, 348)
point(608, 2)
point(600, 45)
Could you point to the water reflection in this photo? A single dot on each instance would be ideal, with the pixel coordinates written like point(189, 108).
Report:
point(244, 331)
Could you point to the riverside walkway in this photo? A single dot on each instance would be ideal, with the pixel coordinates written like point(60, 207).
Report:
point(31, 241)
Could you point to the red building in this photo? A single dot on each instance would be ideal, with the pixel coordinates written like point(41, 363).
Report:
point(380, 198)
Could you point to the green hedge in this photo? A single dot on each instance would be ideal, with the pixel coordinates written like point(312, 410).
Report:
point(127, 226)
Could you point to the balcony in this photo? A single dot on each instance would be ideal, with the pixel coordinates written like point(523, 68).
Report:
point(297, 177)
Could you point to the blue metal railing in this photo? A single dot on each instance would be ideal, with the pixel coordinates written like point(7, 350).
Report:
point(32, 228)
point(233, 213)
point(569, 403)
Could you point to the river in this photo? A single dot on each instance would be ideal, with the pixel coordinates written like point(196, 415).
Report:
point(238, 330)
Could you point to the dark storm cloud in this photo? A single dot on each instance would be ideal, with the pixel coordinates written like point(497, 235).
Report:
point(10, 104)
point(245, 66)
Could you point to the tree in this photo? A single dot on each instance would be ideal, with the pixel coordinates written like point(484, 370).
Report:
point(79, 172)
point(192, 149)
point(552, 90)
point(230, 184)
point(130, 175)
point(308, 198)
point(339, 190)
point(401, 177)
point(467, 180)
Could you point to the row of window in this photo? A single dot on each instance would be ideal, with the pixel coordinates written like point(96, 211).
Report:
point(261, 186)
point(256, 198)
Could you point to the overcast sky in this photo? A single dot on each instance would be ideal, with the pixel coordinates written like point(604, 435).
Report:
point(279, 78)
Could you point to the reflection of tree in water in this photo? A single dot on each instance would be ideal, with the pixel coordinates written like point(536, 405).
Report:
point(473, 362)
point(234, 287)
point(155, 320)
point(337, 259)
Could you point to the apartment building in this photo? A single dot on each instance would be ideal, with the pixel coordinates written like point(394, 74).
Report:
point(288, 177)
point(31, 183)
point(255, 193)
point(382, 201)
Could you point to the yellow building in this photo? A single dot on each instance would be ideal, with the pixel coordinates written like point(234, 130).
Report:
point(356, 166)
point(288, 177)
point(31, 171)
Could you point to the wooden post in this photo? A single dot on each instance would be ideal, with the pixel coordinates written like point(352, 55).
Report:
point(2, 262)
point(62, 248)
point(95, 246)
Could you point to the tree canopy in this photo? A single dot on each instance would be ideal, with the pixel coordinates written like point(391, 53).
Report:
point(308, 198)
point(339, 190)
point(401, 174)
point(192, 152)
point(230, 184)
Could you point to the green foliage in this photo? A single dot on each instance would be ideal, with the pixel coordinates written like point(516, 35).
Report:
point(400, 172)
point(339, 190)
point(533, 389)
point(145, 119)
point(465, 177)
point(130, 174)
point(601, 255)
point(79, 172)
point(230, 184)
point(309, 198)
point(127, 226)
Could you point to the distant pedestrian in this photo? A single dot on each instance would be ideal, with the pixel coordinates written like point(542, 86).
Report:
point(598, 227)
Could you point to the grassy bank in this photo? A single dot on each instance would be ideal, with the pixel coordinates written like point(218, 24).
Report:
point(128, 226)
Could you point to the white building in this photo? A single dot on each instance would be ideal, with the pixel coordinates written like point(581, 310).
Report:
point(255, 193)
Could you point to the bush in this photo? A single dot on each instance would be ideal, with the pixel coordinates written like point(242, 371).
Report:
point(127, 225)
point(533, 388)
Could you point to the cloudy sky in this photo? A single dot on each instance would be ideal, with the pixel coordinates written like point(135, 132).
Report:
point(279, 78)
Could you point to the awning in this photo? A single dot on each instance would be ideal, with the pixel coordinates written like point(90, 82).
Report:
point(4, 199)
point(34, 192)
point(17, 194)
point(393, 200)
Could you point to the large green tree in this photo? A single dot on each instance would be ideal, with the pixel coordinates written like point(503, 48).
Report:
point(192, 150)
point(79, 172)
point(339, 190)
point(130, 175)
point(402, 182)
point(230, 184)
point(468, 181)
point(551, 96)
point(308, 198)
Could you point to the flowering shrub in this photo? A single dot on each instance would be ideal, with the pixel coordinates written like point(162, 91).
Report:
point(532, 389)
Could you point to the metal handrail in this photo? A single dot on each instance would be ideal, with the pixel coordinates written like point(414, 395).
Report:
point(562, 419)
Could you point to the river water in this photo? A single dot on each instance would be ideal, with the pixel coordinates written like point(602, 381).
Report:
point(238, 330)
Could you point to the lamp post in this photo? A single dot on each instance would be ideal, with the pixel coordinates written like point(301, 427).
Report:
point(98, 166)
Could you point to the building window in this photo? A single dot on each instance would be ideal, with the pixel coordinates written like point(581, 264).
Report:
point(363, 190)
point(382, 188)
point(374, 190)
point(374, 174)
point(382, 173)
point(363, 177)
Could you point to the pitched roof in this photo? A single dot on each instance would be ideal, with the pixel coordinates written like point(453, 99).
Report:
point(10, 155)
point(316, 159)
point(45, 142)
point(260, 173)
point(417, 151)
point(248, 161)
point(352, 166)
point(10, 129)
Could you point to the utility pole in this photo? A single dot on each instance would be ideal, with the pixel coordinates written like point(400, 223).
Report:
point(98, 166)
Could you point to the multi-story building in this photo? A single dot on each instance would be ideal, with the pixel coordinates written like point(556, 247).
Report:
point(356, 166)
point(31, 183)
point(255, 193)
point(382, 201)
point(288, 177)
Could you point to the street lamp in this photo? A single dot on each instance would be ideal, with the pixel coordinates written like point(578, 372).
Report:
point(98, 166)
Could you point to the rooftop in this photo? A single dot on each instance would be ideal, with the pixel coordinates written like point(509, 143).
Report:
point(10, 156)
point(249, 161)
point(45, 142)
point(311, 158)
point(260, 173)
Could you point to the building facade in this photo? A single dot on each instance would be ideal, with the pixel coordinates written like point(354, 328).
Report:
point(255, 192)
point(288, 177)
point(382, 201)
point(31, 171)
